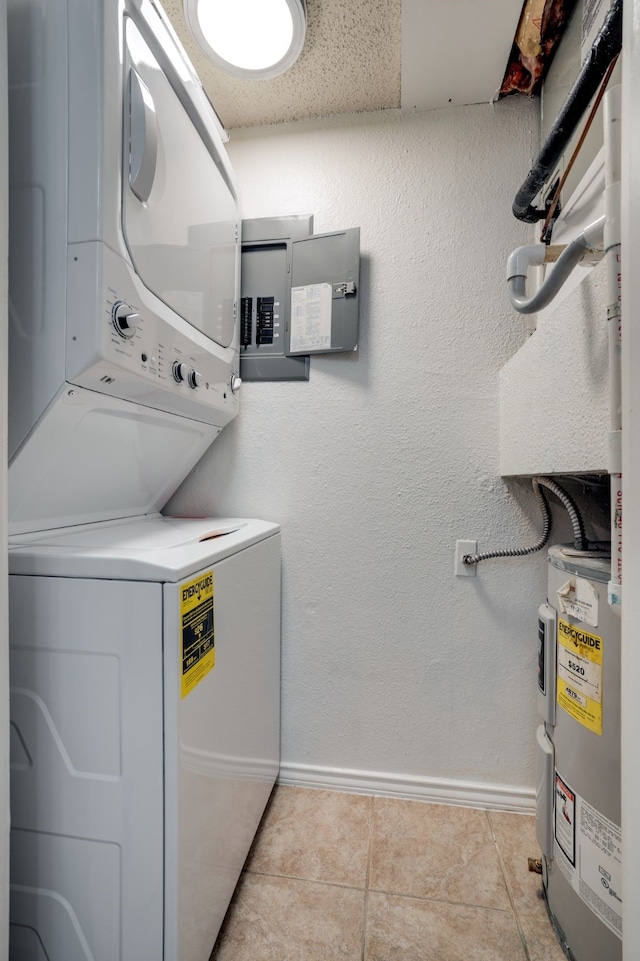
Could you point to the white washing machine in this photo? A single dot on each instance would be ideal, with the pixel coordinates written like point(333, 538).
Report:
point(145, 659)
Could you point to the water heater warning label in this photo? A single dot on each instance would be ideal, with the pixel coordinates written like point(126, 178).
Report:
point(588, 851)
point(580, 655)
point(196, 628)
point(565, 819)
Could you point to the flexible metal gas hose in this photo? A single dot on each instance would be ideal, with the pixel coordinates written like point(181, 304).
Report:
point(579, 536)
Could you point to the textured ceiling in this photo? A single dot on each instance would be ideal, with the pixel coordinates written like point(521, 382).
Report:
point(351, 61)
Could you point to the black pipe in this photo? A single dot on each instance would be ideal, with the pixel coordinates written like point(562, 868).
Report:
point(606, 46)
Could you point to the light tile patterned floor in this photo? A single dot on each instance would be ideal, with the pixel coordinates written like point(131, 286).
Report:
point(345, 877)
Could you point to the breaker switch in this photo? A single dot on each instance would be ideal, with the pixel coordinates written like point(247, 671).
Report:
point(246, 321)
point(264, 320)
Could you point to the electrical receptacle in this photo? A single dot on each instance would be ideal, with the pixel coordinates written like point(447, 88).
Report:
point(462, 548)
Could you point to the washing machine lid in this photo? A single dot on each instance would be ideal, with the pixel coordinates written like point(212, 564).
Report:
point(594, 564)
point(149, 548)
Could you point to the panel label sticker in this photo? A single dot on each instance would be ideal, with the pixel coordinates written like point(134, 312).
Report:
point(197, 639)
point(580, 656)
point(311, 317)
point(589, 854)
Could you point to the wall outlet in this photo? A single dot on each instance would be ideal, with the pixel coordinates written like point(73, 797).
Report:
point(462, 548)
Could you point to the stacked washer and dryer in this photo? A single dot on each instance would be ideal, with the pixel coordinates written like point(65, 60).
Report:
point(144, 649)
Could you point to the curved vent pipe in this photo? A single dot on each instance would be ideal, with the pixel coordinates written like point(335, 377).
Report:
point(607, 45)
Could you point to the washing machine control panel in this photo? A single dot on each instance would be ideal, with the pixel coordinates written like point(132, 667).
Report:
point(139, 349)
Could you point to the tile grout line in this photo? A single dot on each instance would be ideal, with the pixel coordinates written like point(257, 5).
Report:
point(391, 894)
point(525, 946)
point(295, 877)
point(461, 904)
point(363, 946)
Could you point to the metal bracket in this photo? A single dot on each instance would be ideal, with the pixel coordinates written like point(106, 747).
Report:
point(343, 290)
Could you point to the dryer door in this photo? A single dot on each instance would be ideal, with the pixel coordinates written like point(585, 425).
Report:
point(180, 215)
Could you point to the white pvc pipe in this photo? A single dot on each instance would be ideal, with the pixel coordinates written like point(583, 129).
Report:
point(531, 255)
point(612, 237)
point(534, 254)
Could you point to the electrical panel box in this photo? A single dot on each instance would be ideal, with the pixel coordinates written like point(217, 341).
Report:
point(299, 296)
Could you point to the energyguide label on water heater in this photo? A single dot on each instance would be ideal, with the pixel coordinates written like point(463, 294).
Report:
point(580, 656)
point(196, 631)
point(588, 850)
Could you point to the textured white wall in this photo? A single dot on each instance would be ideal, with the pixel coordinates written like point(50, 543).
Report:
point(558, 384)
point(387, 455)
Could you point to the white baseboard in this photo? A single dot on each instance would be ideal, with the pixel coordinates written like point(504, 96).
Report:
point(497, 797)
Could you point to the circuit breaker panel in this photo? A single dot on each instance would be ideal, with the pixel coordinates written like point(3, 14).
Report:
point(299, 296)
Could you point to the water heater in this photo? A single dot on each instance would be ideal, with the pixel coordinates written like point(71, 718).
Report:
point(578, 748)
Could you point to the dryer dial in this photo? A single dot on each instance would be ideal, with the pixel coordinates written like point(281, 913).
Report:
point(125, 319)
point(180, 371)
point(195, 378)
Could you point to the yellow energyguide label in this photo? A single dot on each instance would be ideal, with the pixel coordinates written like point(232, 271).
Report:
point(580, 658)
point(197, 638)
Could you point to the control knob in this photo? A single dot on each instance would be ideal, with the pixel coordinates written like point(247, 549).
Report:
point(180, 371)
point(194, 378)
point(125, 319)
point(235, 383)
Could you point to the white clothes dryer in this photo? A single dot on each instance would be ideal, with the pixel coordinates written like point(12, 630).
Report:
point(124, 263)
